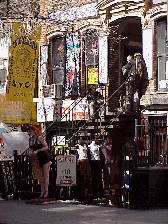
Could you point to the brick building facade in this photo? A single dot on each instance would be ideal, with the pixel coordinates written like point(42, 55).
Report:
point(79, 38)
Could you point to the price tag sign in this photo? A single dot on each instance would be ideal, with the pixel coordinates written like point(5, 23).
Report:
point(66, 170)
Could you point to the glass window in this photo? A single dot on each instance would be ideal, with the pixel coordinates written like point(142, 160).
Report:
point(91, 57)
point(58, 64)
point(91, 49)
point(161, 37)
point(162, 59)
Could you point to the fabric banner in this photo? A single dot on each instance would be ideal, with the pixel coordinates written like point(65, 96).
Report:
point(17, 112)
point(72, 65)
point(23, 63)
point(103, 59)
point(44, 64)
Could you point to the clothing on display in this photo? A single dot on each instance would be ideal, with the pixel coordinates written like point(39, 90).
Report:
point(82, 151)
point(94, 151)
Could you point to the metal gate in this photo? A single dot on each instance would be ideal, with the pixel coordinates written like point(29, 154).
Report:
point(150, 137)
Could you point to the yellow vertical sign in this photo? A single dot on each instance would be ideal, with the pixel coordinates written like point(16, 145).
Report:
point(23, 63)
point(93, 76)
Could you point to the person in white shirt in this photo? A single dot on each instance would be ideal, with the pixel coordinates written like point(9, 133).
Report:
point(85, 182)
point(96, 169)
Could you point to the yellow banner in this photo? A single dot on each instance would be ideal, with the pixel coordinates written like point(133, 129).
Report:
point(23, 63)
point(93, 76)
point(17, 112)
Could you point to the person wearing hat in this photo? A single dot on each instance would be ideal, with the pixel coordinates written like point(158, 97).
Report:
point(40, 147)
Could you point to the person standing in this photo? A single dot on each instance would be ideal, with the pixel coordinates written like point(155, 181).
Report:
point(106, 149)
point(96, 169)
point(85, 187)
point(40, 147)
point(129, 72)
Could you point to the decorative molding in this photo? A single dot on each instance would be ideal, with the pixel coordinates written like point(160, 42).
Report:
point(75, 13)
point(152, 14)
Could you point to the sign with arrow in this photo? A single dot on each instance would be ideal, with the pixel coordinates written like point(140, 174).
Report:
point(66, 170)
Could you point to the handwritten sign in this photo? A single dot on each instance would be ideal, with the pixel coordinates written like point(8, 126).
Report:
point(66, 170)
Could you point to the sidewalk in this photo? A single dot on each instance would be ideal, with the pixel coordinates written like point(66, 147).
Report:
point(72, 212)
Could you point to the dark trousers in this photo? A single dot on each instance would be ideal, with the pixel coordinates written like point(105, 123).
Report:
point(106, 174)
point(96, 179)
point(85, 180)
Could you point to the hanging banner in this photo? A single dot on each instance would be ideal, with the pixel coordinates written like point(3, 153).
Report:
point(72, 65)
point(93, 75)
point(17, 112)
point(23, 63)
point(103, 59)
point(44, 64)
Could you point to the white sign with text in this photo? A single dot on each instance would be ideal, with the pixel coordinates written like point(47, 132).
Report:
point(66, 170)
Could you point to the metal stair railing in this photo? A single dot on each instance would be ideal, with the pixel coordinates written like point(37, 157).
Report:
point(70, 108)
point(104, 107)
point(87, 122)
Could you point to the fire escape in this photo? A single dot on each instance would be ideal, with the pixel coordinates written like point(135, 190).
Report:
point(96, 127)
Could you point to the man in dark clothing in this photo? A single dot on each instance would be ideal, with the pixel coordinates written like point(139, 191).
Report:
point(130, 67)
point(95, 100)
point(129, 72)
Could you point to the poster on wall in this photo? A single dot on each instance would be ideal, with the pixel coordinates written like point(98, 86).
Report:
point(17, 112)
point(72, 83)
point(103, 59)
point(93, 75)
